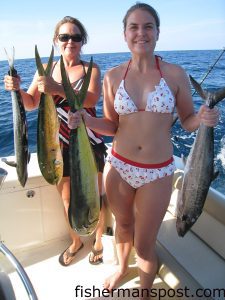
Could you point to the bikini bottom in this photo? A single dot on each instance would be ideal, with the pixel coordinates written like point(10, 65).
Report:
point(138, 174)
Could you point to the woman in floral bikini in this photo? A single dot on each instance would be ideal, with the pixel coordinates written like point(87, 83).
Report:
point(139, 100)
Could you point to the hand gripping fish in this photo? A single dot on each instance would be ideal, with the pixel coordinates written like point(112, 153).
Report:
point(20, 130)
point(84, 205)
point(48, 147)
point(199, 169)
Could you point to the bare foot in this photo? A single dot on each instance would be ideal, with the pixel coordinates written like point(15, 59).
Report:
point(113, 281)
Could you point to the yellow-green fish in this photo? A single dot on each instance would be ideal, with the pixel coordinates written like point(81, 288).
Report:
point(84, 205)
point(48, 146)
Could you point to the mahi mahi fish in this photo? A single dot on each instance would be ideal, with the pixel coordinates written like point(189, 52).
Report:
point(48, 146)
point(84, 205)
point(199, 168)
point(20, 130)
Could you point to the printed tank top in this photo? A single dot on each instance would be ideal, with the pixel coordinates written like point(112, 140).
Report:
point(161, 100)
point(62, 107)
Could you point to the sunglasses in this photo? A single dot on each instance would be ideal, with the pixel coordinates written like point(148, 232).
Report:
point(64, 37)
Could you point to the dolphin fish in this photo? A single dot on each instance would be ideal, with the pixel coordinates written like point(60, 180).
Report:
point(84, 205)
point(48, 146)
point(199, 169)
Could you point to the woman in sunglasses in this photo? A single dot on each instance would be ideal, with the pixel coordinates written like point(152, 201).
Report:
point(69, 37)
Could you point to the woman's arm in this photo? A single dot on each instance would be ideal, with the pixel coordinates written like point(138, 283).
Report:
point(109, 123)
point(30, 98)
point(40, 84)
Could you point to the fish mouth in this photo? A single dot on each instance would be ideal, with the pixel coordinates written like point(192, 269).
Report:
point(183, 226)
point(86, 230)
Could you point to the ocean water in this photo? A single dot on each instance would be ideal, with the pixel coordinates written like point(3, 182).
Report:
point(196, 63)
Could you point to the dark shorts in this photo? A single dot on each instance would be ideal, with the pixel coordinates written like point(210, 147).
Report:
point(100, 152)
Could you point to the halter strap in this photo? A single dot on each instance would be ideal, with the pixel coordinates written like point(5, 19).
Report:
point(127, 69)
point(157, 65)
point(81, 62)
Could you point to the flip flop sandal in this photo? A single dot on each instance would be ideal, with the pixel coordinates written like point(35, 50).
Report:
point(95, 253)
point(69, 255)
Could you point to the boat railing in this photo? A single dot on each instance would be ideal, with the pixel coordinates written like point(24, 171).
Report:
point(13, 260)
point(20, 270)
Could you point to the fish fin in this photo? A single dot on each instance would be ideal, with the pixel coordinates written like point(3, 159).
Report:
point(219, 95)
point(215, 175)
point(11, 163)
point(198, 88)
point(28, 157)
point(69, 91)
point(61, 147)
point(183, 159)
point(212, 97)
point(10, 59)
point(75, 100)
point(57, 162)
point(50, 62)
point(12, 71)
point(82, 93)
point(41, 71)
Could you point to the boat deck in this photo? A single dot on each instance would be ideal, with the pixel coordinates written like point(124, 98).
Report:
point(38, 235)
point(52, 281)
point(181, 266)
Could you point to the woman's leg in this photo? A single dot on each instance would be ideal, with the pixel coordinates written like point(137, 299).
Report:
point(151, 202)
point(96, 254)
point(98, 247)
point(120, 196)
point(64, 189)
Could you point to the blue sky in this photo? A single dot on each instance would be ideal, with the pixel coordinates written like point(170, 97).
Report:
point(185, 24)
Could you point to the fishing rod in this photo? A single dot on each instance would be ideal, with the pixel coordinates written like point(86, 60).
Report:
point(210, 68)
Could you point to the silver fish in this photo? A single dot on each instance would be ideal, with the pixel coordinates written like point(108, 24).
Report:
point(199, 168)
point(20, 129)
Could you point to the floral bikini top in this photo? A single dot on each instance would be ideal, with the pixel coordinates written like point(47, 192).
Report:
point(161, 100)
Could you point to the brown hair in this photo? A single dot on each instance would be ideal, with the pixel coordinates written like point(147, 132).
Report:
point(142, 6)
point(74, 21)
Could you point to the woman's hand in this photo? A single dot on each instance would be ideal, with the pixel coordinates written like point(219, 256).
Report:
point(74, 119)
point(207, 116)
point(47, 85)
point(12, 83)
